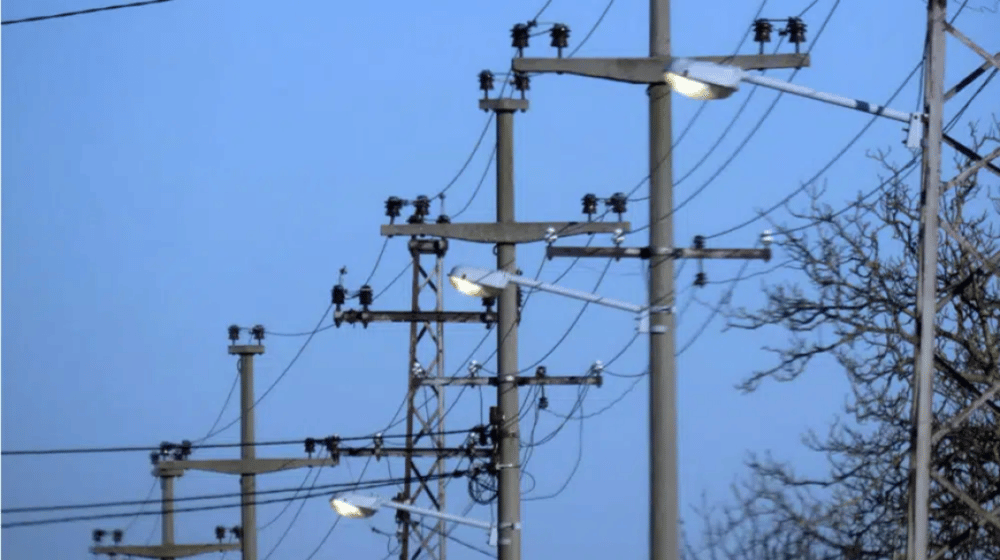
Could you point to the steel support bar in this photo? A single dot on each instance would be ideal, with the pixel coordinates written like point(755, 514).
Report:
point(166, 550)
point(521, 380)
point(968, 152)
point(648, 70)
point(644, 253)
point(352, 316)
point(954, 490)
point(964, 82)
point(957, 420)
point(995, 61)
point(511, 232)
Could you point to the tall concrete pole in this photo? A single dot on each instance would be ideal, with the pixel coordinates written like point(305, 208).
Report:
point(664, 519)
point(167, 511)
point(508, 462)
point(248, 453)
point(927, 277)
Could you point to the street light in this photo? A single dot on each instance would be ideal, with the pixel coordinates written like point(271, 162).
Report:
point(708, 80)
point(481, 282)
point(356, 506)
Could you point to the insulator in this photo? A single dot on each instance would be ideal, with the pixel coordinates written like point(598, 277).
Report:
point(489, 302)
point(560, 36)
point(234, 333)
point(486, 80)
point(117, 535)
point(237, 532)
point(597, 368)
point(766, 238)
point(310, 445)
point(540, 371)
point(422, 205)
point(700, 279)
point(338, 294)
point(519, 36)
point(366, 295)
point(618, 203)
point(699, 242)
point(796, 31)
point(332, 443)
point(393, 206)
point(444, 219)
point(154, 457)
point(220, 532)
point(543, 402)
point(185, 448)
point(522, 82)
point(762, 31)
point(590, 204)
point(166, 447)
point(257, 332)
point(99, 534)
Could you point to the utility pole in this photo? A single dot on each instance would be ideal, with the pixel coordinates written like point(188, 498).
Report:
point(664, 519)
point(505, 233)
point(248, 450)
point(168, 549)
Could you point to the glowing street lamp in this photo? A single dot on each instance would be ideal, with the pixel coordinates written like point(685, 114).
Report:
point(708, 80)
point(484, 283)
point(357, 506)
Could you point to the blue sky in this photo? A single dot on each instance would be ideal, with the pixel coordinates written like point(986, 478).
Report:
point(173, 169)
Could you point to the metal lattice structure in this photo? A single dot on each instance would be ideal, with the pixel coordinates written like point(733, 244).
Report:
point(425, 407)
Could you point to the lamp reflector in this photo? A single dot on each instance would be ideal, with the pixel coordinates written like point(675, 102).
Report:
point(702, 80)
point(354, 507)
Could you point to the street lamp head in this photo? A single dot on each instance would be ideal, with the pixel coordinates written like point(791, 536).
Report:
point(702, 80)
point(478, 282)
point(355, 506)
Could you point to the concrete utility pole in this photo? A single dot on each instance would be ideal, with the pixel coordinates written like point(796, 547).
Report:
point(248, 450)
point(664, 520)
point(509, 458)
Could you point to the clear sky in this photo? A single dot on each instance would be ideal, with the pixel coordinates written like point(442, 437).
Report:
point(173, 169)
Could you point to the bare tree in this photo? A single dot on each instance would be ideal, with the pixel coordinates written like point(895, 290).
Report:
point(856, 305)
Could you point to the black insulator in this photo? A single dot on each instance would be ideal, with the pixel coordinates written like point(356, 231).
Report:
point(257, 332)
point(338, 295)
point(560, 36)
point(540, 371)
point(543, 402)
point(522, 82)
point(762, 31)
point(796, 31)
point(185, 448)
point(590, 204)
point(422, 205)
point(618, 203)
point(699, 242)
point(99, 534)
point(117, 535)
point(237, 532)
point(520, 35)
point(310, 445)
point(154, 457)
point(489, 302)
point(331, 443)
point(444, 219)
point(393, 206)
point(234, 333)
point(166, 447)
point(220, 532)
point(486, 80)
point(366, 295)
point(700, 279)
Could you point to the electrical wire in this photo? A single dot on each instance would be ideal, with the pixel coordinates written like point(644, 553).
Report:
point(451, 537)
point(274, 519)
point(592, 29)
point(82, 12)
point(340, 486)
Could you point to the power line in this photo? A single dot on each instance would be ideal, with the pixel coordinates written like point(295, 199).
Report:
point(81, 12)
point(341, 486)
point(592, 29)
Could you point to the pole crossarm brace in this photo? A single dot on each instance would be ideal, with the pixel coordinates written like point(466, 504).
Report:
point(352, 316)
point(240, 466)
point(646, 252)
point(520, 380)
point(994, 60)
point(964, 82)
point(954, 490)
point(165, 550)
point(648, 70)
point(968, 152)
point(508, 232)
